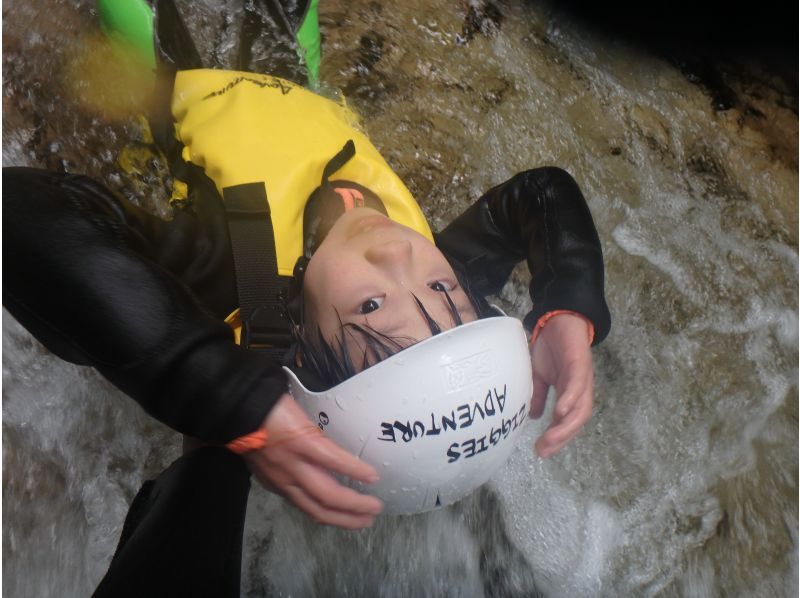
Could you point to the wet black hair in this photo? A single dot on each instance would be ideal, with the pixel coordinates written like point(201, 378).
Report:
point(326, 364)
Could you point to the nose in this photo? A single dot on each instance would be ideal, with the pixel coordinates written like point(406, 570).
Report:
point(394, 256)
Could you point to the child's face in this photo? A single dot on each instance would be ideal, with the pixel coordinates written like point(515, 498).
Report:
point(365, 272)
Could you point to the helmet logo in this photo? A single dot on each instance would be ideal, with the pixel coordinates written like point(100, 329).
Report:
point(467, 371)
point(324, 420)
point(463, 416)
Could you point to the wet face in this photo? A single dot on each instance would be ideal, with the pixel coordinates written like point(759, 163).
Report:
point(368, 270)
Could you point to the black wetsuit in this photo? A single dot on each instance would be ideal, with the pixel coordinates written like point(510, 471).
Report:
point(102, 283)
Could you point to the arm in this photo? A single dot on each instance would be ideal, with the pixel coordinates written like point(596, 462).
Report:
point(102, 283)
point(541, 216)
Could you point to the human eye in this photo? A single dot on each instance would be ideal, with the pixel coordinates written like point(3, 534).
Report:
point(442, 286)
point(370, 305)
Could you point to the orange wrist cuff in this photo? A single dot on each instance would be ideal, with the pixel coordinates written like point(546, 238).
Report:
point(277, 440)
point(558, 312)
point(248, 443)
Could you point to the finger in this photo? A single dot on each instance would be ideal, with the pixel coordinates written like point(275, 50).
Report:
point(325, 490)
point(577, 392)
point(282, 468)
point(555, 448)
point(322, 451)
point(562, 432)
point(576, 374)
point(324, 515)
point(268, 485)
point(272, 482)
point(569, 425)
point(539, 398)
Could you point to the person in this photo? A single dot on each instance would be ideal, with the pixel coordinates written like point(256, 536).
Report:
point(103, 283)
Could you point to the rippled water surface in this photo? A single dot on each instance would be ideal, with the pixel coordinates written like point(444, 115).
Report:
point(684, 483)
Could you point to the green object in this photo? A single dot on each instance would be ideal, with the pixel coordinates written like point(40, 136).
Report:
point(130, 22)
point(308, 39)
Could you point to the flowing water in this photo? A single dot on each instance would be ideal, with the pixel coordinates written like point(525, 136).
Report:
point(684, 483)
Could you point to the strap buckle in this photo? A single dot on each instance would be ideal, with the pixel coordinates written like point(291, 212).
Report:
point(266, 328)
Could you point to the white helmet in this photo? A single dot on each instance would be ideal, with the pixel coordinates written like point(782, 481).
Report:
point(437, 419)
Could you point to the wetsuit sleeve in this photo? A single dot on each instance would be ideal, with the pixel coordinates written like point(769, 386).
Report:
point(100, 282)
point(539, 215)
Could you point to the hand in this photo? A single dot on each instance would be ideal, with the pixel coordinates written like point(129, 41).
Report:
point(296, 462)
point(561, 357)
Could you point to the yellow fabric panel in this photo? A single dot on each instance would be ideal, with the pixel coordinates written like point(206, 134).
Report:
point(235, 321)
point(244, 128)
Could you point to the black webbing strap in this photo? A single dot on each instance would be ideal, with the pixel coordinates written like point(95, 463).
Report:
point(260, 287)
point(264, 326)
point(339, 160)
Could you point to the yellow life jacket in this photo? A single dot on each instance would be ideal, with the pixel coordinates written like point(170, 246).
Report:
point(246, 128)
